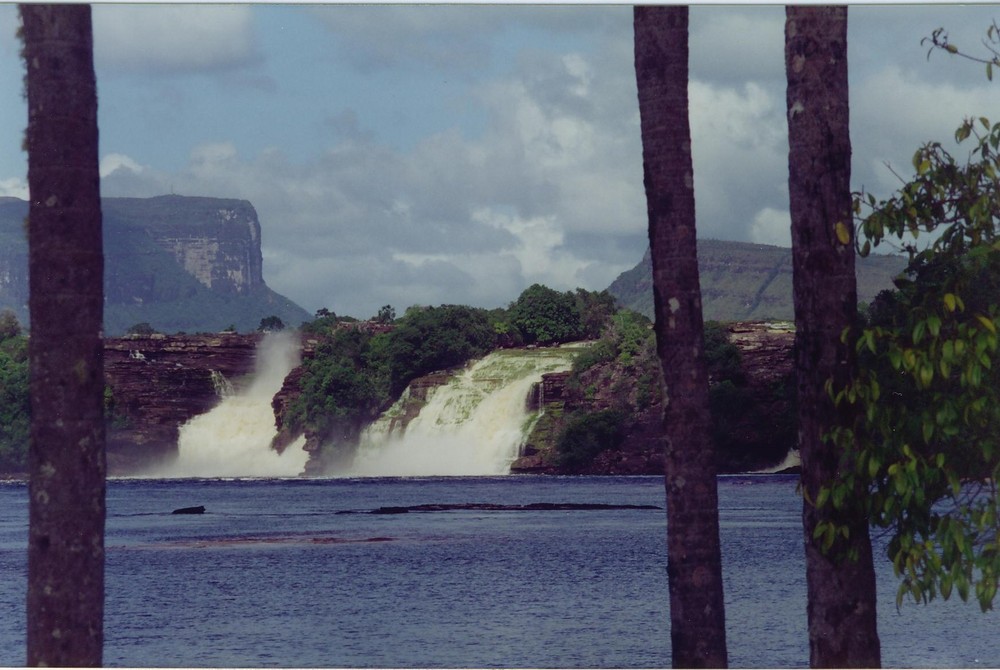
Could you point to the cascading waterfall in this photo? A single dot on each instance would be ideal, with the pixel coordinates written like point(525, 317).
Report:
point(234, 438)
point(473, 425)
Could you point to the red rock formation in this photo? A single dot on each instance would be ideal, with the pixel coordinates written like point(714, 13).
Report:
point(158, 382)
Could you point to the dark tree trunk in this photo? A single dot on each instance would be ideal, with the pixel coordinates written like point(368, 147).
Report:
point(66, 458)
point(841, 609)
point(694, 564)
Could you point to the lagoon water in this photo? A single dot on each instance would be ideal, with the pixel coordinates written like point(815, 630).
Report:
point(292, 572)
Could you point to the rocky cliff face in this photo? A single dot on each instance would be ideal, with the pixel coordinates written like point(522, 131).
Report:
point(743, 282)
point(157, 383)
point(216, 241)
point(756, 432)
point(180, 264)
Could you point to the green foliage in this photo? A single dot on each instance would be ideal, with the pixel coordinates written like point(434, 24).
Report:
point(353, 375)
point(15, 408)
point(140, 329)
point(722, 357)
point(507, 335)
point(340, 391)
point(595, 309)
point(324, 323)
point(604, 350)
point(587, 435)
point(431, 339)
point(627, 335)
point(386, 314)
point(922, 418)
point(545, 316)
point(271, 324)
point(9, 325)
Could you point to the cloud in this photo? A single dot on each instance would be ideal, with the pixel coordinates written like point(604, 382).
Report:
point(893, 112)
point(173, 39)
point(14, 188)
point(450, 38)
point(114, 162)
point(740, 153)
point(734, 45)
point(772, 226)
point(538, 176)
point(550, 191)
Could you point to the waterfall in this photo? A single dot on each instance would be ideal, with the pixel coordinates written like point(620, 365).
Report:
point(234, 438)
point(473, 425)
point(223, 387)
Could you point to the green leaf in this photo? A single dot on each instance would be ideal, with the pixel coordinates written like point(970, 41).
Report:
point(843, 233)
point(928, 431)
point(934, 324)
point(822, 496)
point(926, 374)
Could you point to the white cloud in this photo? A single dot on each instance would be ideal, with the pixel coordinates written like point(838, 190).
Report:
point(772, 226)
point(173, 38)
point(740, 153)
point(894, 112)
point(113, 162)
point(548, 187)
point(14, 188)
point(737, 44)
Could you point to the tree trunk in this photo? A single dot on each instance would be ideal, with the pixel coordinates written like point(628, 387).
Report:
point(694, 564)
point(841, 609)
point(66, 458)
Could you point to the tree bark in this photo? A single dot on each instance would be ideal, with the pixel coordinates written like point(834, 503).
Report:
point(66, 460)
point(841, 591)
point(694, 563)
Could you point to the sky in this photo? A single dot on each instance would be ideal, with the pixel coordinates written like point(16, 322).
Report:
point(425, 155)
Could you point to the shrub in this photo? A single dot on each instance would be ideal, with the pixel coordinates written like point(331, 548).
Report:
point(587, 435)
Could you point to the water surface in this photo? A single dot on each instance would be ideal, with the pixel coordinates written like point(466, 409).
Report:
point(276, 574)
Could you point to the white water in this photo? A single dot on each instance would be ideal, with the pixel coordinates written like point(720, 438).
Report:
point(474, 425)
point(234, 438)
point(791, 460)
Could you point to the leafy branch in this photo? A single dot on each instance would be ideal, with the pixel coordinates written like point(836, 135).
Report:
point(939, 41)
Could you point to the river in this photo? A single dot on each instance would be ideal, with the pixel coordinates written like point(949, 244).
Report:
point(296, 572)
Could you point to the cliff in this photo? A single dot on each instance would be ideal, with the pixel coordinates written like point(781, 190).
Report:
point(180, 264)
point(156, 383)
point(755, 417)
point(747, 282)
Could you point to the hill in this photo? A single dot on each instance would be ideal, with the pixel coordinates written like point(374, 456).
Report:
point(741, 281)
point(181, 264)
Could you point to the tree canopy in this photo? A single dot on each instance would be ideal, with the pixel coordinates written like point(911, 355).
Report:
point(925, 441)
point(544, 315)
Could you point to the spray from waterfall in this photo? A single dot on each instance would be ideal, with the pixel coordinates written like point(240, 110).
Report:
point(473, 425)
point(234, 438)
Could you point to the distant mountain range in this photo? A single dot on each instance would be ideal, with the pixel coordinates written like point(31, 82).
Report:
point(191, 264)
point(741, 281)
point(181, 264)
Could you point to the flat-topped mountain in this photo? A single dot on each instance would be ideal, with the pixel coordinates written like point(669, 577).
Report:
point(741, 281)
point(178, 263)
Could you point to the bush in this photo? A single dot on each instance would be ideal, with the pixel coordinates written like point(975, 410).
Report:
point(271, 324)
point(587, 435)
point(15, 408)
point(140, 329)
point(431, 339)
point(545, 316)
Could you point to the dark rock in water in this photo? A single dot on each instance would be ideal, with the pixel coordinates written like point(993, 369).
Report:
point(199, 509)
point(391, 510)
point(494, 507)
